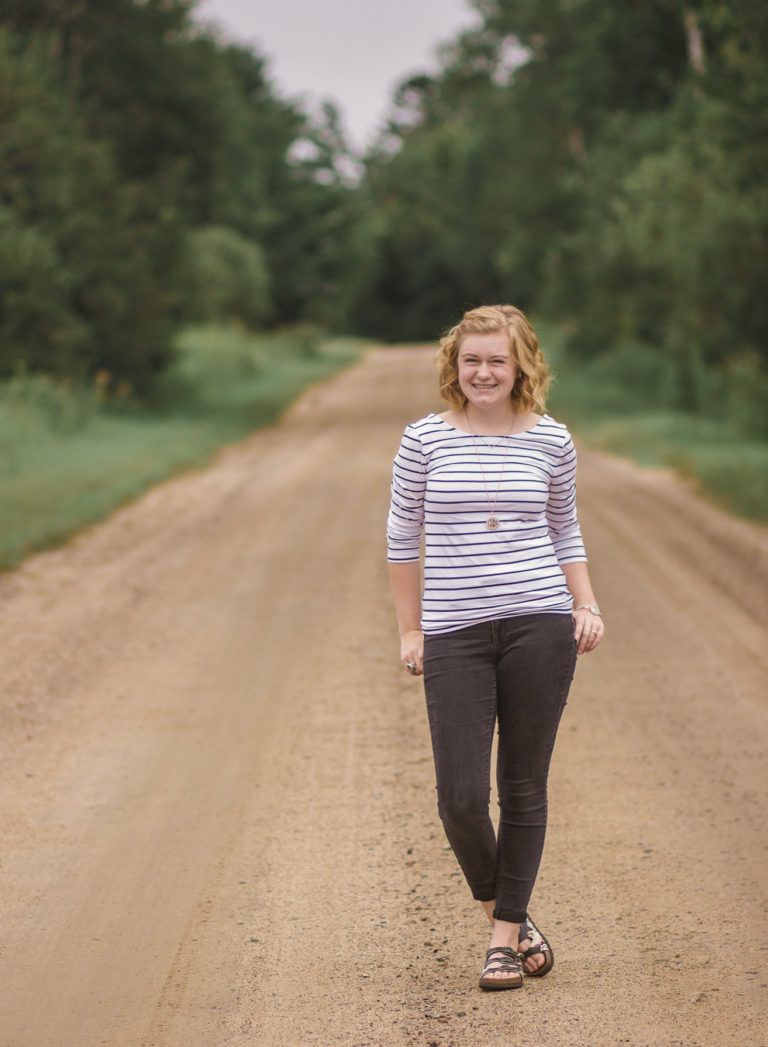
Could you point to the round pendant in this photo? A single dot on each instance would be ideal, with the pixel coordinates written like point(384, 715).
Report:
point(492, 523)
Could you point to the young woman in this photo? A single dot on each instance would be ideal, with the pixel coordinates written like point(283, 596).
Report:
point(507, 604)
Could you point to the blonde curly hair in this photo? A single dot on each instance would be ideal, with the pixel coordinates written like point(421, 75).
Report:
point(530, 389)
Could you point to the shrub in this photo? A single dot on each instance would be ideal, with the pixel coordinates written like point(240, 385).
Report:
point(229, 278)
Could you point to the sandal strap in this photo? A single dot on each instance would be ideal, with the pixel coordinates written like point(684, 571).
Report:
point(505, 950)
point(503, 960)
point(530, 932)
point(535, 950)
point(528, 929)
point(539, 947)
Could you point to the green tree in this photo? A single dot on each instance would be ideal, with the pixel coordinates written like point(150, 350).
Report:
point(310, 244)
point(229, 277)
point(595, 160)
point(671, 245)
point(126, 129)
point(79, 232)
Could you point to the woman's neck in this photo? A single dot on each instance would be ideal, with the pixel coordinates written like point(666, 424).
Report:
point(493, 421)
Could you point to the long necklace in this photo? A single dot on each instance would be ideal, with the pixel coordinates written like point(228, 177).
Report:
point(492, 521)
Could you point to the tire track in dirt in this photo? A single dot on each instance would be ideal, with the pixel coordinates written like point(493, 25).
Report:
point(216, 791)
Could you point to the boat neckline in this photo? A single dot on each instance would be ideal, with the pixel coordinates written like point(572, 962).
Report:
point(488, 436)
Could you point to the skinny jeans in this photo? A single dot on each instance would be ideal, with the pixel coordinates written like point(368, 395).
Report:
point(515, 672)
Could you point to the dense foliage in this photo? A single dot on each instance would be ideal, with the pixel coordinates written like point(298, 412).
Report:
point(147, 179)
point(598, 162)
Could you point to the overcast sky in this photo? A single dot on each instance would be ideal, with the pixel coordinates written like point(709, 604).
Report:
point(352, 51)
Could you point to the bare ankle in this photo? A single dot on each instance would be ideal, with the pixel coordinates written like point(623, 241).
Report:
point(505, 934)
point(488, 908)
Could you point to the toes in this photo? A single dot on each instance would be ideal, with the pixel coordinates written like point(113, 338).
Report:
point(533, 962)
point(499, 975)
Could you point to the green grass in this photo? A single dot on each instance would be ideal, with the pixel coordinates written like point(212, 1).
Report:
point(619, 405)
point(68, 457)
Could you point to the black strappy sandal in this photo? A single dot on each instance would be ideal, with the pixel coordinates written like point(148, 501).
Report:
point(539, 947)
point(502, 960)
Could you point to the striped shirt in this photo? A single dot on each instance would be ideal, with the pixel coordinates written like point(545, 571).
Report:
point(439, 491)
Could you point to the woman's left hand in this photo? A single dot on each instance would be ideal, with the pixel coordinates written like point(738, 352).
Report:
point(588, 630)
point(412, 651)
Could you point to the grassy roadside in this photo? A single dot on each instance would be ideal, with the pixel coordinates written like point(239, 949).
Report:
point(613, 408)
point(68, 457)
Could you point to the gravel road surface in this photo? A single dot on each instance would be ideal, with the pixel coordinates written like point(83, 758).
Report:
point(216, 795)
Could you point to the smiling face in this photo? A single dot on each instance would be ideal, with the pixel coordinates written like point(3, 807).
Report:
point(486, 369)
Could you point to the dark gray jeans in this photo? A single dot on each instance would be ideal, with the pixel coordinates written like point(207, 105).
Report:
point(516, 671)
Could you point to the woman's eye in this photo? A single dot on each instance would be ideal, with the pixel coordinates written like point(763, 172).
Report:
point(473, 361)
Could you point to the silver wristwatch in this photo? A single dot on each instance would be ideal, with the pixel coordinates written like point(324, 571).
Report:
point(589, 607)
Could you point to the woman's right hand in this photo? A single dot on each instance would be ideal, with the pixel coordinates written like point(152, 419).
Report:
point(412, 652)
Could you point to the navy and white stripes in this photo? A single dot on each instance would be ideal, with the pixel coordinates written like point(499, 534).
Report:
point(472, 574)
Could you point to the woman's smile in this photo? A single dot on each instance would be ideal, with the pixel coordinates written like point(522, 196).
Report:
point(487, 371)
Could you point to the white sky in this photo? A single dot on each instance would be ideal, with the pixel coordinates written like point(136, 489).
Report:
point(353, 52)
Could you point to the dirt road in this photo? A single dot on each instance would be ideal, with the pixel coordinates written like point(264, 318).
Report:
point(216, 794)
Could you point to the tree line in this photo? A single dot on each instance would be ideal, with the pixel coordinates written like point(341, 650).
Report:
point(599, 162)
point(150, 176)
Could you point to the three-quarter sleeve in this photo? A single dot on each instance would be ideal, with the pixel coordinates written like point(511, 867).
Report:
point(562, 519)
point(405, 522)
